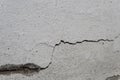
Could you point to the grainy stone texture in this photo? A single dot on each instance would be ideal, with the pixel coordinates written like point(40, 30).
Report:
point(69, 39)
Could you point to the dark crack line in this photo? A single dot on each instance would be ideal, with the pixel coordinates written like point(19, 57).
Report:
point(114, 77)
point(19, 68)
point(43, 68)
point(31, 67)
point(78, 42)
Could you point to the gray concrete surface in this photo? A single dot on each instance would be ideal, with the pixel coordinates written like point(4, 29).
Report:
point(67, 39)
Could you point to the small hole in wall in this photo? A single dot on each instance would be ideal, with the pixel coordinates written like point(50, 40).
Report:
point(36, 51)
point(110, 1)
point(8, 48)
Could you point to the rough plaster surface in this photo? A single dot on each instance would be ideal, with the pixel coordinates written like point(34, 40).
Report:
point(70, 39)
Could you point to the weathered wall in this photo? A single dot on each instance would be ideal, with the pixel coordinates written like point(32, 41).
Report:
point(59, 39)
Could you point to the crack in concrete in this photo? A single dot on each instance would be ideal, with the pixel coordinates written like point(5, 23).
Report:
point(31, 67)
point(19, 68)
point(66, 42)
point(78, 42)
point(114, 77)
point(25, 69)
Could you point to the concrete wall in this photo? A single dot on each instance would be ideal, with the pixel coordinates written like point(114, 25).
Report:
point(59, 39)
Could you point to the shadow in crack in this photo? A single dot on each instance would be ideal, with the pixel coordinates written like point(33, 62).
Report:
point(25, 69)
point(114, 77)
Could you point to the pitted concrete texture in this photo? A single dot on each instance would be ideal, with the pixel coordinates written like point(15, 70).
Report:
point(60, 39)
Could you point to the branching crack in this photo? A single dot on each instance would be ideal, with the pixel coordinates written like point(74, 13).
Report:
point(78, 42)
point(31, 67)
